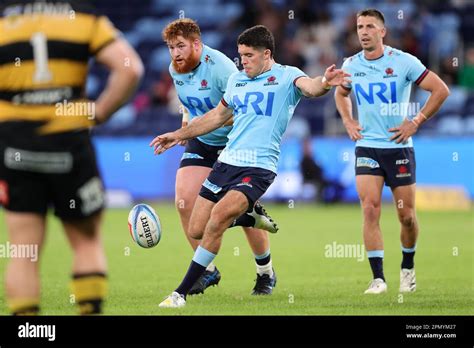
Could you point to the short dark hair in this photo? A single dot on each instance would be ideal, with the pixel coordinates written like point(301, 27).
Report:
point(258, 37)
point(371, 12)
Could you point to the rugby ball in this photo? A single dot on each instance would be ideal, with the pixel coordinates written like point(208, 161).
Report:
point(144, 226)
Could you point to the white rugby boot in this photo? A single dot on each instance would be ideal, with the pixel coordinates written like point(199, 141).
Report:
point(376, 286)
point(263, 221)
point(407, 280)
point(174, 300)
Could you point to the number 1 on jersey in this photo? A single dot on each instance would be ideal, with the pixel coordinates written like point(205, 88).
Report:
point(40, 54)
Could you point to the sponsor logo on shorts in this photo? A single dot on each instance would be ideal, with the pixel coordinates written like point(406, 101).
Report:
point(403, 172)
point(246, 182)
point(92, 196)
point(212, 187)
point(367, 162)
point(402, 161)
point(38, 162)
point(189, 155)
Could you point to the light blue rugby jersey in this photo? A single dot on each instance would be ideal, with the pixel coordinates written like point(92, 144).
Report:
point(202, 89)
point(382, 91)
point(262, 108)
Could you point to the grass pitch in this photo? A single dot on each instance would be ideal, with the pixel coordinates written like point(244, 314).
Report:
point(309, 281)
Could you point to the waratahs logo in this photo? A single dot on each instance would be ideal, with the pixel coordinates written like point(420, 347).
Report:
point(389, 73)
point(271, 81)
point(403, 172)
point(204, 85)
point(246, 182)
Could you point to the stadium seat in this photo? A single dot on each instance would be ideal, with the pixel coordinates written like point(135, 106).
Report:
point(451, 125)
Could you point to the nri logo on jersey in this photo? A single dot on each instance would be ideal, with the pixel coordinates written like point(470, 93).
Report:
point(377, 90)
point(194, 104)
point(262, 105)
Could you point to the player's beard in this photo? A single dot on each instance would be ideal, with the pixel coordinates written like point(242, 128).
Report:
point(189, 63)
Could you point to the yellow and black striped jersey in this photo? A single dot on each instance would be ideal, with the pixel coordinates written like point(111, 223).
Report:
point(45, 47)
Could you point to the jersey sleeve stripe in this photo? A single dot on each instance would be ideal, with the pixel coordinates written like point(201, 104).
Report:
point(296, 79)
point(422, 76)
point(104, 45)
point(224, 103)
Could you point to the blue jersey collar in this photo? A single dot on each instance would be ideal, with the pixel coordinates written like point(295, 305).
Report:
point(375, 59)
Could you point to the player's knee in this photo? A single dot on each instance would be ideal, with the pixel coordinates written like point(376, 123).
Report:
point(407, 219)
point(87, 228)
point(219, 221)
point(184, 204)
point(195, 233)
point(195, 230)
point(371, 211)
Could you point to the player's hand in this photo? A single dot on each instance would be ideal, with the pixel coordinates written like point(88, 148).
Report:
point(353, 128)
point(99, 117)
point(336, 77)
point(403, 132)
point(164, 142)
point(230, 122)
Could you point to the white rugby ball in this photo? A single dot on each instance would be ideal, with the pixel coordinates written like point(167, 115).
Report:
point(144, 225)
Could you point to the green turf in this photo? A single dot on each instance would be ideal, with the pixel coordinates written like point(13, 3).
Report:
point(309, 283)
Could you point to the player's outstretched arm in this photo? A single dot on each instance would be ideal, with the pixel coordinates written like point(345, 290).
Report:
point(126, 70)
point(439, 93)
point(202, 125)
point(344, 106)
point(320, 85)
